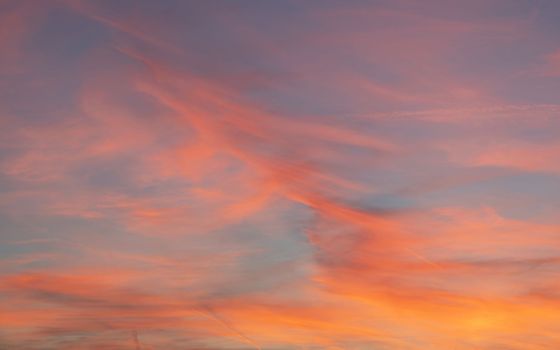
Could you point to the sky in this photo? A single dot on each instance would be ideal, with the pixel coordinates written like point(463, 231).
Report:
point(279, 175)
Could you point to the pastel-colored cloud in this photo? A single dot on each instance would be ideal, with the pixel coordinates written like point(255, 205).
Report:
point(278, 176)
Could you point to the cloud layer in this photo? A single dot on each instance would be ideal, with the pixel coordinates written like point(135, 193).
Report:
point(279, 175)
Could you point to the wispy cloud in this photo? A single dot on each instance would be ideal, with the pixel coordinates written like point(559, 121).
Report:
point(278, 176)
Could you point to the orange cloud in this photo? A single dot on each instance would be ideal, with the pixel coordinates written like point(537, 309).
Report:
point(226, 181)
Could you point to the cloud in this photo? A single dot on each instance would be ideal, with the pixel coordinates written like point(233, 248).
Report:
point(208, 177)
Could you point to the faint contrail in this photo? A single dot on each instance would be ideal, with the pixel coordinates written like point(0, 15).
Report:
point(136, 341)
point(226, 324)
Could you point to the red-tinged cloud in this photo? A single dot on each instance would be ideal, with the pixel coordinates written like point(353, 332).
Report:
point(206, 176)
